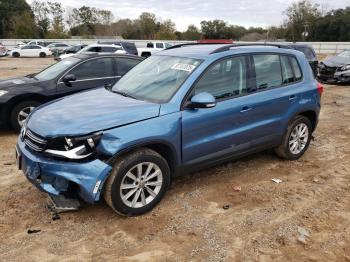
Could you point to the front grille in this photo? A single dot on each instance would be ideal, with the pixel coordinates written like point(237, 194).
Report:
point(34, 142)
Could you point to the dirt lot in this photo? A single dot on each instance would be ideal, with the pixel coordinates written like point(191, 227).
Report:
point(263, 221)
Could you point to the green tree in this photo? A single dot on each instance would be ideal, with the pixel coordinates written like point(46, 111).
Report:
point(41, 14)
point(301, 17)
point(10, 12)
point(192, 33)
point(148, 25)
point(166, 31)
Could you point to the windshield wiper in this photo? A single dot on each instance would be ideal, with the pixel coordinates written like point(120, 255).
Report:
point(123, 94)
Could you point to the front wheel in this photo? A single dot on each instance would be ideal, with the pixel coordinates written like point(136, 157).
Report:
point(296, 139)
point(138, 182)
point(20, 113)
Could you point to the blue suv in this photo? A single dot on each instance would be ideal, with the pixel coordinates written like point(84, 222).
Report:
point(185, 108)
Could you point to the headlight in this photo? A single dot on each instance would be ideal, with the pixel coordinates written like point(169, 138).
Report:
point(344, 68)
point(74, 147)
point(3, 92)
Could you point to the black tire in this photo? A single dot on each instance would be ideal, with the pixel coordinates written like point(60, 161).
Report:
point(15, 54)
point(17, 109)
point(284, 150)
point(111, 190)
point(42, 55)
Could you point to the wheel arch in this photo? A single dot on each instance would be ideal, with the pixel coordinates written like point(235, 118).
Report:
point(312, 116)
point(164, 148)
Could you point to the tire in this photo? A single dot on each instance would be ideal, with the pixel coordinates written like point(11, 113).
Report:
point(294, 150)
point(15, 117)
point(42, 55)
point(144, 200)
point(16, 54)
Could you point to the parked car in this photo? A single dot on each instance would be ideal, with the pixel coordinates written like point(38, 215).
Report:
point(179, 110)
point(97, 48)
point(152, 48)
point(31, 51)
point(335, 69)
point(3, 50)
point(70, 50)
point(58, 47)
point(34, 42)
point(128, 47)
point(19, 96)
point(310, 54)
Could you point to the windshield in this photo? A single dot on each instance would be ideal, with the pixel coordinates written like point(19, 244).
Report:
point(345, 53)
point(157, 78)
point(56, 69)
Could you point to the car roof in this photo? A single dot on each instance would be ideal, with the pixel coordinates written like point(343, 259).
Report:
point(86, 55)
point(104, 45)
point(206, 51)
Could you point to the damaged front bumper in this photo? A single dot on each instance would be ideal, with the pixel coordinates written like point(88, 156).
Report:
point(60, 177)
point(342, 76)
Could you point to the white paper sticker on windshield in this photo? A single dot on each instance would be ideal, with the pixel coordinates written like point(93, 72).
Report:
point(183, 67)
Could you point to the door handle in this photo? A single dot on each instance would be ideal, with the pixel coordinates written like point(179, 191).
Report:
point(245, 109)
point(292, 97)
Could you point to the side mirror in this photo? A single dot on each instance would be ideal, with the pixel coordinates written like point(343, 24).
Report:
point(69, 78)
point(202, 100)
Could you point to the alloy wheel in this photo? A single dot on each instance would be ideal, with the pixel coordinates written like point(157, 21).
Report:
point(141, 184)
point(298, 138)
point(23, 114)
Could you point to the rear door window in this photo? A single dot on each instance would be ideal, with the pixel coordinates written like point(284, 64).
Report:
point(159, 45)
point(267, 70)
point(125, 64)
point(95, 68)
point(109, 49)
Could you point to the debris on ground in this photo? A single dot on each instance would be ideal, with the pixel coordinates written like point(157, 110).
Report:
point(303, 233)
point(8, 164)
point(55, 216)
point(277, 180)
point(226, 207)
point(236, 188)
point(33, 231)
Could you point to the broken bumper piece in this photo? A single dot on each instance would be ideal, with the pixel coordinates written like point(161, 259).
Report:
point(57, 177)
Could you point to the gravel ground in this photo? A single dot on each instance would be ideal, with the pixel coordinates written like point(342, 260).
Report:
point(304, 218)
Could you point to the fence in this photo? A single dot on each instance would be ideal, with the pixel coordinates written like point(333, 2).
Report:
point(320, 47)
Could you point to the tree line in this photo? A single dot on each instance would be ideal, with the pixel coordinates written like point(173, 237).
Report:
point(304, 21)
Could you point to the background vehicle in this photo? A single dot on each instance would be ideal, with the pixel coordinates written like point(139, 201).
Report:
point(58, 47)
point(153, 48)
point(310, 54)
point(19, 96)
point(335, 69)
point(182, 109)
point(31, 51)
point(128, 47)
point(70, 50)
point(98, 48)
point(3, 50)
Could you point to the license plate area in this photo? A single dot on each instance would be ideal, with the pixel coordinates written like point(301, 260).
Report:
point(18, 159)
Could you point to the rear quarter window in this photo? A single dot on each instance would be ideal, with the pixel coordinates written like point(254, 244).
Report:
point(267, 70)
point(296, 68)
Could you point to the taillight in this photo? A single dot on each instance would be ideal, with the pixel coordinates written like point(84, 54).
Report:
point(319, 88)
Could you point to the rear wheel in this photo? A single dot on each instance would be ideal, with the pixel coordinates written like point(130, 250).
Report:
point(42, 54)
point(20, 113)
point(138, 182)
point(296, 139)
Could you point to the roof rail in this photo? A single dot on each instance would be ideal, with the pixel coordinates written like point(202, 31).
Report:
point(188, 44)
point(228, 47)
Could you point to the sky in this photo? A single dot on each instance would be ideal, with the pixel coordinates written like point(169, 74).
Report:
point(246, 13)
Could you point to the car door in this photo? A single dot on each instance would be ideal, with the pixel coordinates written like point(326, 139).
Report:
point(35, 50)
point(95, 72)
point(211, 133)
point(26, 50)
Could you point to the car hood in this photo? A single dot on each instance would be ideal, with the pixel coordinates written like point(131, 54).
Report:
point(336, 61)
point(89, 112)
point(16, 82)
